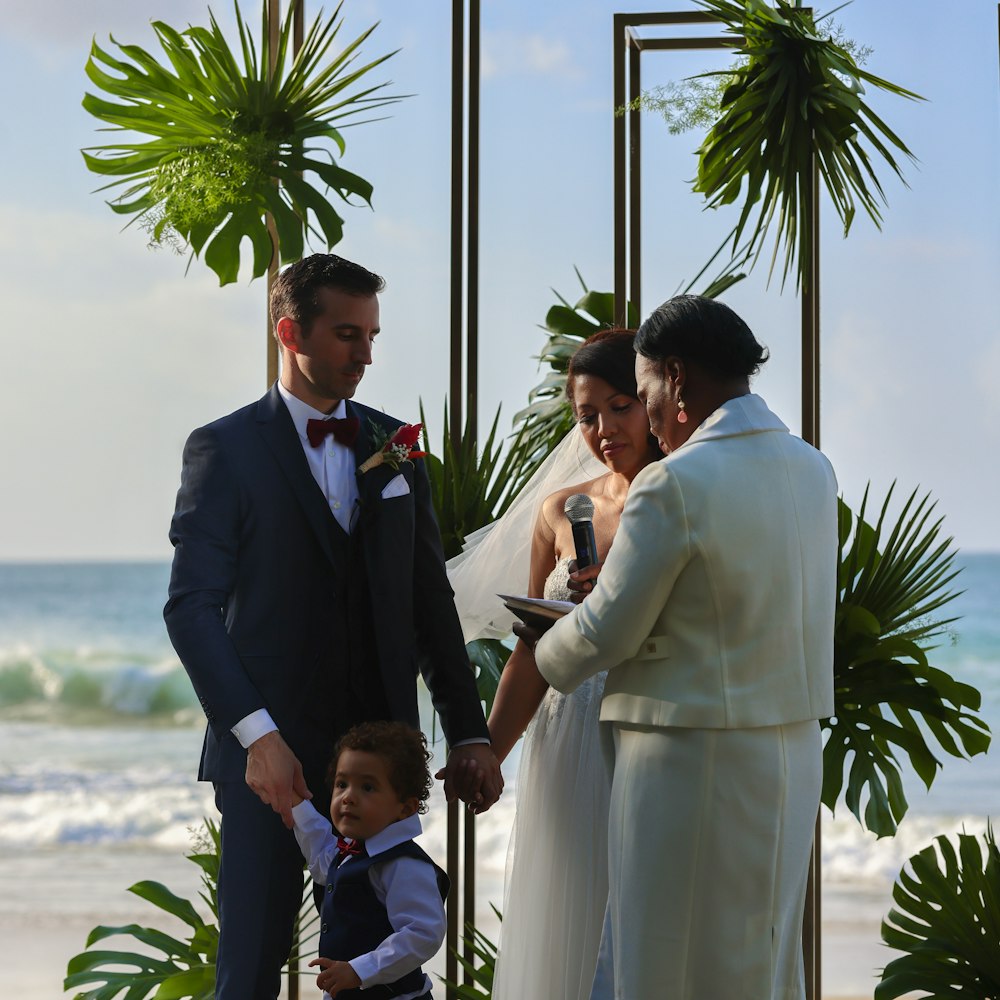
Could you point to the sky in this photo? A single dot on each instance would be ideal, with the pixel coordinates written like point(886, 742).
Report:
point(115, 352)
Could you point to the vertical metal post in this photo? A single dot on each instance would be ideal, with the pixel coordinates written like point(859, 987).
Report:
point(620, 36)
point(472, 248)
point(812, 925)
point(634, 183)
point(457, 211)
point(273, 32)
point(472, 387)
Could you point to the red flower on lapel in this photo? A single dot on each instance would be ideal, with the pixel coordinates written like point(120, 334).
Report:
point(397, 449)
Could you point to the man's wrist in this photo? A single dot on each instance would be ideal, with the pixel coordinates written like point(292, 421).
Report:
point(253, 726)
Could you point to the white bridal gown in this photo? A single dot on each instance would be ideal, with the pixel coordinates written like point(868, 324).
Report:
point(556, 885)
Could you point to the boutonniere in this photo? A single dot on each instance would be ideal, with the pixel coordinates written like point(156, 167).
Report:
point(392, 450)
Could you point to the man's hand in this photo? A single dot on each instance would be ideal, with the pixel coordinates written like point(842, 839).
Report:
point(581, 581)
point(274, 774)
point(335, 976)
point(473, 774)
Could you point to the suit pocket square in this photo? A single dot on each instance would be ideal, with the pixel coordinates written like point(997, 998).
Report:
point(396, 487)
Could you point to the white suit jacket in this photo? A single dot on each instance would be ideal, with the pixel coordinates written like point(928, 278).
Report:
point(715, 607)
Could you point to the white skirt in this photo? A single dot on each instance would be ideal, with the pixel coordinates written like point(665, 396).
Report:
point(710, 837)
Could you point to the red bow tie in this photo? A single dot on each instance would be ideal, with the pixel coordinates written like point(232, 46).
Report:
point(352, 847)
point(343, 430)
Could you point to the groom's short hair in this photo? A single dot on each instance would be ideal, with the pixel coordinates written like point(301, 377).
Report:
point(404, 750)
point(295, 292)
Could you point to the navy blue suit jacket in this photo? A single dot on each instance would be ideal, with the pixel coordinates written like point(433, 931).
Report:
point(255, 569)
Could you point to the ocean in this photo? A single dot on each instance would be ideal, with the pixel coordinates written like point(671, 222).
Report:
point(99, 741)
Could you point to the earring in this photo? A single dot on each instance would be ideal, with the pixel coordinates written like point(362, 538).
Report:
point(682, 417)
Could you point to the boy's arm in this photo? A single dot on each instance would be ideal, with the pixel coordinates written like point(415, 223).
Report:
point(409, 890)
point(316, 840)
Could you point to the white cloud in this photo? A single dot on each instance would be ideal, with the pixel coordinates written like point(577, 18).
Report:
point(48, 25)
point(506, 53)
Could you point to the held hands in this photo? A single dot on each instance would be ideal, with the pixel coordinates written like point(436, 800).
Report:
point(472, 773)
point(274, 774)
point(335, 976)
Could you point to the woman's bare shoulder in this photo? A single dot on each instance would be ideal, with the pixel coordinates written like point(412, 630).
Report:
point(554, 502)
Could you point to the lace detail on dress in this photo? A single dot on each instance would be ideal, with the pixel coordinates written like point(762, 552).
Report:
point(557, 582)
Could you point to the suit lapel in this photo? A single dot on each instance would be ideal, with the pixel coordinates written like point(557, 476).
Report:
point(371, 483)
point(276, 427)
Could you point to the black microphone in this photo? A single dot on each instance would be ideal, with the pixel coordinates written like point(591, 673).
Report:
point(579, 508)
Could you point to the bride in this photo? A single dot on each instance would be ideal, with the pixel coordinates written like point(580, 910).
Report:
point(556, 885)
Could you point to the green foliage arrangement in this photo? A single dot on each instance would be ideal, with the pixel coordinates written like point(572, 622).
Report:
point(232, 142)
point(696, 102)
point(181, 969)
point(889, 699)
point(484, 951)
point(796, 94)
point(547, 418)
point(470, 487)
point(946, 920)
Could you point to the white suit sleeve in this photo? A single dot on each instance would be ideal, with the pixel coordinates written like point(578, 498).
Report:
point(651, 548)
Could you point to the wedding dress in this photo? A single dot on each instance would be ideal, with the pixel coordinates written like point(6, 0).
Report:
point(556, 884)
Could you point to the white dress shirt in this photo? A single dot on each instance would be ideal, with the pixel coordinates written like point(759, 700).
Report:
point(405, 886)
point(332, 466)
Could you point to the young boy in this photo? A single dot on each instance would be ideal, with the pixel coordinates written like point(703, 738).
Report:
point(383, 912)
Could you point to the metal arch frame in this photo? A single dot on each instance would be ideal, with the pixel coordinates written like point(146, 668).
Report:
point(628, 46)
point(464, 313)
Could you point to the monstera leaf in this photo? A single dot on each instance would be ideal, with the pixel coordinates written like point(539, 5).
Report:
point(232, 142)
point(176, 969)
point(890, 701)
point(946, 920)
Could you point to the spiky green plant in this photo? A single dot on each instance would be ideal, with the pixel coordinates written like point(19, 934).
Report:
point(470, 487)
point(946, 920)
point(796, 94)
point(232, 141)
point(893, 581)
point(484, 952)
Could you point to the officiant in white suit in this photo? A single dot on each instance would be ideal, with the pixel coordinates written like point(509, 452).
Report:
point(714, 614)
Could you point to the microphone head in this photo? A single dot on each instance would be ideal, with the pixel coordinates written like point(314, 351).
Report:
point(579, 507)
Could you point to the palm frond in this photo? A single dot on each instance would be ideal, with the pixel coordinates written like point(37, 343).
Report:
point(795, 97)
point(229, 141)
point(890, 702)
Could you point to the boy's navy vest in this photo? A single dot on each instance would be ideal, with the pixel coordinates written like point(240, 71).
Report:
point(353, 921)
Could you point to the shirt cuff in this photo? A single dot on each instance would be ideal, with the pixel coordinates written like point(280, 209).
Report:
point(470, 742)
point(253, 726)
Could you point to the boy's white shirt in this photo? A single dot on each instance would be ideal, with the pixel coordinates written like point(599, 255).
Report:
point(405, 886)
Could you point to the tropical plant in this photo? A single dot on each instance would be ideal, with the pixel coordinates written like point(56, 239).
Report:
point(483, 949)
point(795, 98)
point(181, 968)
point(946, 920)
point(889, 699)
point(547, 418)
point(696, 102)
point(470, 487)
point(234, 137)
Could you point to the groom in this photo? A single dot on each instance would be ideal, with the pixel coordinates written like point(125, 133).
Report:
point(304, 596)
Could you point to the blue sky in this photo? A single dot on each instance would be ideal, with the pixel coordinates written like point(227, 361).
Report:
point(113, 355)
